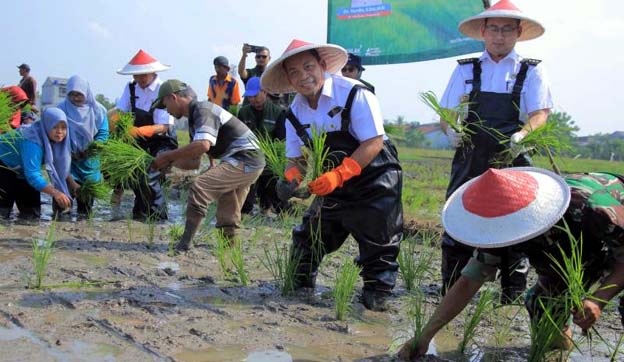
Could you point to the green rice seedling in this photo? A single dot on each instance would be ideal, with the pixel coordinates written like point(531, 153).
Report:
point(417, 315)
point(274, 154)
point(547, 140)
point(414, 265)
point(175, 234)
point(449, 115)
point(7, 108)
point(93, 190)
point(124, 164)
point(282, 263)
point(221, 251)
point(472, 317)
point(42, 251)
point(407, 263)
point(238, 260)
point(547, 328)
point(151, 229)
point(616, 350)
point(502, 318)
point(121, 132)
point(344, 288)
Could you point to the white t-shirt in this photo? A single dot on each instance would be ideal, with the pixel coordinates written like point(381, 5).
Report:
point(366, 117)
point(500, 78)
point(145, 97)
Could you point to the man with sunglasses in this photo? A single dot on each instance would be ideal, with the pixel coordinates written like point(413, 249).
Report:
point(263, 56)
point(353, 69)
point(502, 97)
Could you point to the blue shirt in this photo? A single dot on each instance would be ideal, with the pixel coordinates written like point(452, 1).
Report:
point(24, 157)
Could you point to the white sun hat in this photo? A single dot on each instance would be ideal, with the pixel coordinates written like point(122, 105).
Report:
point(143, 63)
point(531, 28)
point(505, 207)
point(274, 78)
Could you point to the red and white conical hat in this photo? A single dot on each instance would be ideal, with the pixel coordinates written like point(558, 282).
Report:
point(142, 63)
point(505, 207)
point(274, 78)
point(531, 28)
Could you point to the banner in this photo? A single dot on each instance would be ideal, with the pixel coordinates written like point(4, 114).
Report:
point(401, 31)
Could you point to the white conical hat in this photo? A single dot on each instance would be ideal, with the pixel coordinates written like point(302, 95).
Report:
point(143, 63)
point(505, 207)
point(274, 78)
point(531, 28)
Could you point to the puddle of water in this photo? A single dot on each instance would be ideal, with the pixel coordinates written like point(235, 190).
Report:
point(217, 354)
point(268, 356)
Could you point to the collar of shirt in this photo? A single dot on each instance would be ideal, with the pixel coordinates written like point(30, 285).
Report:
point(513, 56)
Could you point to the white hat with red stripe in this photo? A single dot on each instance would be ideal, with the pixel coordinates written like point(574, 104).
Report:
point(143, 63)
point(505, 207)
point(274, 78)
point(531, 28)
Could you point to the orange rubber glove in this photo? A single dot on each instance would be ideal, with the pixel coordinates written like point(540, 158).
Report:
point(329, 181)
point(145, 131)
point(293, 173)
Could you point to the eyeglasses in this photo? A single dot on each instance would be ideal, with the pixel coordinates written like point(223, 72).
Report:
point(349, 69)
point(260, 56)
point(506, 30)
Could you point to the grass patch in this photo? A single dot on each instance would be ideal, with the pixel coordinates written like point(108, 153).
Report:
point(344, 288)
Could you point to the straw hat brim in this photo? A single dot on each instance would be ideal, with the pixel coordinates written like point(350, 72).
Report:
point(133, 69)
point(531, 28)
point(275, 80)
point(549, 206)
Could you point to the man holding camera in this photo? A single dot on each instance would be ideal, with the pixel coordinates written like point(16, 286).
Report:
point(263, 56)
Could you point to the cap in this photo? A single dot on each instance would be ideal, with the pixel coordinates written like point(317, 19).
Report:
point(252, 87)
point(221, 60)
point(168, 87)
point(24, 66)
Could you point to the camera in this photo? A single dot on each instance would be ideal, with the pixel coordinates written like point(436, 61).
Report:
point(255, 48)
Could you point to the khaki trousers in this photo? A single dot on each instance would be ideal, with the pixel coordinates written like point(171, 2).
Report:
point(227, 185)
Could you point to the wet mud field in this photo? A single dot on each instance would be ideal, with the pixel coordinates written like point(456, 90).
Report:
point(112, 293)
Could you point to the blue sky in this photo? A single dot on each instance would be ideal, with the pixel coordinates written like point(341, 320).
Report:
point(582, 48)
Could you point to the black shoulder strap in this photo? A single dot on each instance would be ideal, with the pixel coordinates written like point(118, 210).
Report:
point(346, 110)
point(521, 77)
point(467, 61)
point(476, 75)
point(299, 128)
point(133, 96)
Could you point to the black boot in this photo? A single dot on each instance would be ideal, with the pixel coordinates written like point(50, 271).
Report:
point(190, 229)
point(375, 300)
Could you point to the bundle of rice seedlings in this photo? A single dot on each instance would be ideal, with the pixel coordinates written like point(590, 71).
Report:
point(123, 164)
point(274, 153)
point(548, 140)
point(121, 131)
point(452, 116)
point(344, 289)
point(7, 108)
point(473, 316)
point(93, 190)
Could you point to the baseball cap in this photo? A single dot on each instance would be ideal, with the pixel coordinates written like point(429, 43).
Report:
point(253, 87)
point(24, 66)
point(221, 60)
point(168, 87)
point(356, 61)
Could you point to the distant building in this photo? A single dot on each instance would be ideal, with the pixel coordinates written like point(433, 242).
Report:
point(53, 91)
point(433, 133)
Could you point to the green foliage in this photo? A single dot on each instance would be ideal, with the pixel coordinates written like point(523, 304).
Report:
point(282, 263)
point(7, 108)
point(274, 153)
point(122, 127)
point(221, 251)
point(104, 101)
point(473, 316)
point(238, 260)
point(42, 251)
point(93, 190)
point(414, 265)
point(123, 164)
point(547, 327)
point(452, 116)
point(344, 288)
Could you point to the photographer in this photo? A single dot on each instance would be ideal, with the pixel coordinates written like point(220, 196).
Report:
point(263, 56)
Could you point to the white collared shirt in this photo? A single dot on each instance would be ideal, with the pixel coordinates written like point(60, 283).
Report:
point(145, 97)
point(366, 117)
point(500, 78)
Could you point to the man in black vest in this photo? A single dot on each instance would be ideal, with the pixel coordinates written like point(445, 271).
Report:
point(153, 129)
point(220, 135)
point(360, 193)
point(505, 92)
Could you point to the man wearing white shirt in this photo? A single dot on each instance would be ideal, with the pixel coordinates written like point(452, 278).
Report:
point(153, 129)
point(505, 92)
point(360, 192)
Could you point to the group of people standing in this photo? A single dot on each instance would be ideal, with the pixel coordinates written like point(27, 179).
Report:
point(493, 219)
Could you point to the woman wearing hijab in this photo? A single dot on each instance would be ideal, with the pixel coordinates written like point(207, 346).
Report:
point(87, 123)
point(22, 152)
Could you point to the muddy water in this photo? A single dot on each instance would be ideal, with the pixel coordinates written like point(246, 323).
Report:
point(152, 307)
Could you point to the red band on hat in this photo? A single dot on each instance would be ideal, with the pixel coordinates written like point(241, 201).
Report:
point(142, 58)
point(499, 193)
point(503, 5)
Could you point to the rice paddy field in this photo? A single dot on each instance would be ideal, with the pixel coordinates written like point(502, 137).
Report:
point(100, 290)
